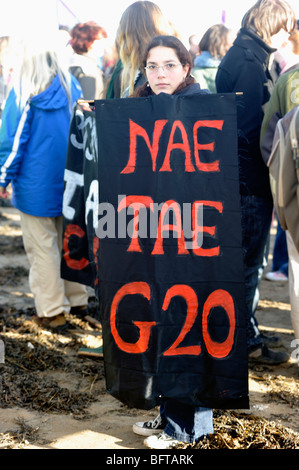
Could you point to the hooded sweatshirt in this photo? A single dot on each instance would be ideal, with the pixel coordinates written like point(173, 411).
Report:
point(205, 69)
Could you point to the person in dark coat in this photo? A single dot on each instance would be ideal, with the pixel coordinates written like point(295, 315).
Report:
point(244, 69)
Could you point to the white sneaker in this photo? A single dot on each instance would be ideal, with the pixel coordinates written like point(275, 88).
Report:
point(276, 276)
point(161, 441)
point(148, 428)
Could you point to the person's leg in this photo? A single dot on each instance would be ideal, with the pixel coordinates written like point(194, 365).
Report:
point(294, 284)
point(280, 263)
point(41, 244)
point(256, 221)
point(186, 423)
point(182, 423)
point(280, 251)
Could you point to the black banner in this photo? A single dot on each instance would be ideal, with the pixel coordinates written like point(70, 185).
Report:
point(167, 232)
point(172, 302)
point(81, 199)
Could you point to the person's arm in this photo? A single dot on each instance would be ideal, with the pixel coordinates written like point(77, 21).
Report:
point(14, 134)
point(271, 117)
point(248, 78)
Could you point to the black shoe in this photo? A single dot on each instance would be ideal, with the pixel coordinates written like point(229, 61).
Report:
point(271, 341)
point(263, 355)
point(148, 428)
point(79, 311)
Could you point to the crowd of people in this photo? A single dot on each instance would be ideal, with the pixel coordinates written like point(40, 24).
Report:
point(149, 58)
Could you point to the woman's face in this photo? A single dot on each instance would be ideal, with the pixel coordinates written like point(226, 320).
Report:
point(164, 70)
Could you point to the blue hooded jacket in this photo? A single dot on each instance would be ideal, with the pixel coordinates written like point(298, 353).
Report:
point(33, 148)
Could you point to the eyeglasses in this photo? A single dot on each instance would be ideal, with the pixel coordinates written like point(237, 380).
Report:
point(153, 69)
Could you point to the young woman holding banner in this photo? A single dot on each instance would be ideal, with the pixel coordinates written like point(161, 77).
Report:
point(168, 67)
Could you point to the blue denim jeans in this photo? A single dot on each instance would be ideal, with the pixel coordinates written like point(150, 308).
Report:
point(280, 252)
point(186, 423)
point(256, 222)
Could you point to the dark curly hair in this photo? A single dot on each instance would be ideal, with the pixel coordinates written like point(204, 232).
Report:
point(83, 36)
point(182, 53)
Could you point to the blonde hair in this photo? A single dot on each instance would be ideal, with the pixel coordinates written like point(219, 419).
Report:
point(36, 65)
point(139, 24)
point(268, 17)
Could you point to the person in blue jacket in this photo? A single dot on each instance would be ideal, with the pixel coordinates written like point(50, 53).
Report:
point(33, 147)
